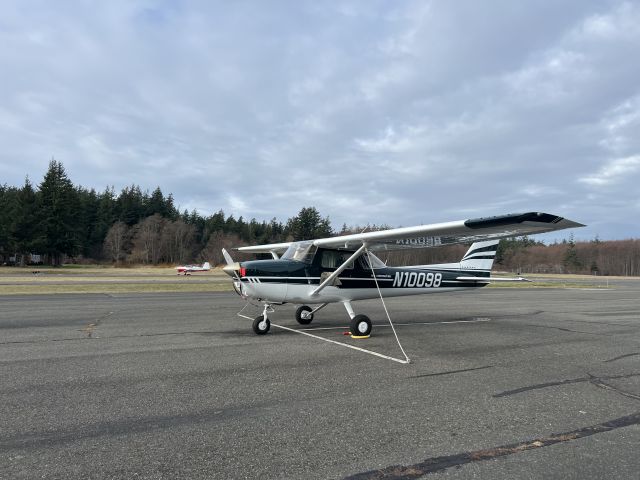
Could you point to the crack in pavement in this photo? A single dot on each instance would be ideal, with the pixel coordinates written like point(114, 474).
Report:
point(595, 322)
point(562, 329)
point(597, 381)
point(451, 372)
point(438, 464)
point(109, 337)
point(621, 357)
point(125, 426)
point(89, 329)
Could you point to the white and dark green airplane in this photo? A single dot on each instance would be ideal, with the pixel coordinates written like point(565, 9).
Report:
point(345, 269)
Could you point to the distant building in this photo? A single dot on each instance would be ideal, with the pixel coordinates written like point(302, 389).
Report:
point(28, 259)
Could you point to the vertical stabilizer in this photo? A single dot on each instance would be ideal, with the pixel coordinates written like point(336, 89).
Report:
point(480, 256)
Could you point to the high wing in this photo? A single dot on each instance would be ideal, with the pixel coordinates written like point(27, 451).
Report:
point(268, 248)
point(427, 236)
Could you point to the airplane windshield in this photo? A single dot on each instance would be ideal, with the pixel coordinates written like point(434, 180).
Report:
point(301, 251)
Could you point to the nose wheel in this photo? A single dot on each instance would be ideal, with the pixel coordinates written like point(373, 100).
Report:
point(261, 324)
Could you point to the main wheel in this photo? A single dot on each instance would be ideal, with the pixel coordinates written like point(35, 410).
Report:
point(304, 315)
point(261, 325)
point(360, 326)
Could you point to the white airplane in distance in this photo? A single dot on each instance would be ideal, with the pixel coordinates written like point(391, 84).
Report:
point(189, 269)
point(344, 268)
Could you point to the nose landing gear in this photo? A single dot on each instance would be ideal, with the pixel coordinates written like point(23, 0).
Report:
point(261, 324)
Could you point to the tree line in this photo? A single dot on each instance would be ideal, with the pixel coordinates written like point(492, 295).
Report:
point(525, 255)
point(595, 257)
point(59, 222)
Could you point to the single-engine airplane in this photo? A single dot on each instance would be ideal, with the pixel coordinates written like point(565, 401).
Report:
point(345, 269)
point(189, 269)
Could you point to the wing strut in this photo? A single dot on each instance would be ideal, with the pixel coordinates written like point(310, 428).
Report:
point(329, 280)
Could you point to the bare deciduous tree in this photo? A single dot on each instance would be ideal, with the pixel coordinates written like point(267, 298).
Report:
point(178, 239)
point(212, 252)
point(115, 242)
point(147, 239)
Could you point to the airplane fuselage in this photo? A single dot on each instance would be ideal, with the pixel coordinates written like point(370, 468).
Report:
point(292, 281)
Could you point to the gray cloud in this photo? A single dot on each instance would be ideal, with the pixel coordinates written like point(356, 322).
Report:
point(397, 113)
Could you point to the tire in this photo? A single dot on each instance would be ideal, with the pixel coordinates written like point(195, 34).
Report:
point(261, 325)
point(360, 326)
point(299, 315)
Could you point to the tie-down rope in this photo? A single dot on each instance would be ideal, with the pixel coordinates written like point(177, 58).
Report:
point(375, 279)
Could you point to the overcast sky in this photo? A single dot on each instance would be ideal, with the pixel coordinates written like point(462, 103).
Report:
point(395, 112)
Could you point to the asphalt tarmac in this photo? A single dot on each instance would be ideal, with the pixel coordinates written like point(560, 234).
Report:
point(504, 383)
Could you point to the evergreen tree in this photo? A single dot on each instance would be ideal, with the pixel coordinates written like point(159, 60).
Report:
point(171, 210)
point(308, 225)
point(508, 248)
point(156, 204)
point(130, 205)
point(25, 224)
point(87, 217)
point(105, 217)
point(571, 261)
point(275, 233)
point(57, 211)
point(230, 225)
point(8, 206)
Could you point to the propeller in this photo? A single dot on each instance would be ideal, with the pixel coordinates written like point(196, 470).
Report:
point(232, 268)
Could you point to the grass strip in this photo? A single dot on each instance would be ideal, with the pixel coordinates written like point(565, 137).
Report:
point(534, 284)
point(43, 289)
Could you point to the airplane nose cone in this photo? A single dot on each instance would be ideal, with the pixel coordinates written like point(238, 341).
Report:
point(231, 270)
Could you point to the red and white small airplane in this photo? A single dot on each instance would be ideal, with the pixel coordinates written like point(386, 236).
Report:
point(189, 269)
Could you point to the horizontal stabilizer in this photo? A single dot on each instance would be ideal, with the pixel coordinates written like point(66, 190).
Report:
point(492, 279)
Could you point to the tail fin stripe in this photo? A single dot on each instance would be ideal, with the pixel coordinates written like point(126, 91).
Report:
point(488, 248)
point(479, 254)
point(480, 257)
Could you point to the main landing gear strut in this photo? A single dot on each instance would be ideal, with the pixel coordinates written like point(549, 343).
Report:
point(360, 325)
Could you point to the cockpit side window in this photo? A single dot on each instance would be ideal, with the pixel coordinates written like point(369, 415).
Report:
point(334, 259)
